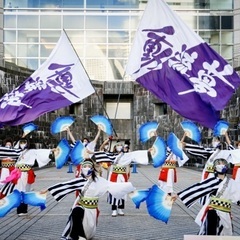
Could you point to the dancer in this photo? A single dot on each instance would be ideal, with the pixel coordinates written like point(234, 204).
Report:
point(7, 163)
point(27, 158)
point(118, 172)
point(208, 154)
point(168, 174)
point(215, 216)
point(90, 146)
point(82, 221)
point(236, 167)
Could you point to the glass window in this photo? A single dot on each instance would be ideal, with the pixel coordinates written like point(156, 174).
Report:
point(75, 36)
point(134, 22)
point(27, 21)
point(132, 36)
point(44, 3)
point(118, 22)
point(73, 3)
point(227, 22)
point(50, 36)
point(79, 48)
point(122, 110)
point(9, 51)
point(9, 21)
point(118, 36)
point(160, 109)
point(221, 4)
point(50, 21)
point(9, 36)
point(73, 22)
point(227, 51)
point(117, 68)
point(96, 36)
point(227, 38)
point(46, 49)
point(189, 18)
point(15, 4)
point(22, 62)
point(96, 68)
point(112, 4)
point(215, 47)
point(95, 50)
point(27, 50)
point(96, 22)
point(117, 51)
point(209, 22)
point(214, 37)
point(32, 64)
point(28, 36)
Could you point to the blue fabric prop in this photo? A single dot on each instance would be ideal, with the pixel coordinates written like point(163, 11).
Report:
point(147, 131)
point(62, 153)
point(35, 199)
point(158, 152)
point(103, 123)
point(220, 128)
point(139, 196)
point(60, 124)
point(159, 204)
point(9, 202)
point(191, 130)
point(175, 145)
point(29, 127)
point(77, 153)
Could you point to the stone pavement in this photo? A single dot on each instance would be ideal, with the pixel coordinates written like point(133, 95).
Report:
point(136, 224)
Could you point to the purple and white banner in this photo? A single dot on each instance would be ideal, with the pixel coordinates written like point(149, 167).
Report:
point(60, 81)
point(175, 64)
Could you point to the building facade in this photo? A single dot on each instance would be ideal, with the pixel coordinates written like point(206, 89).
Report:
point(102, 32)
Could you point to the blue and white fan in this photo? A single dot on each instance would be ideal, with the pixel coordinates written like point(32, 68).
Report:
point(60, 124)
point(35, 199)
point(104, 124)
point(175, 145)
point(220, 128)
point(77, 153)
point(159, 204)
point(158, 152)
point(29, 127)
point(139, 196)
point(62, 153)
point(9, 202)
point(192, 130)
point(147, 131)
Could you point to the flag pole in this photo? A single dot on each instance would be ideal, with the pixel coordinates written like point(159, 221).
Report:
point(90, 81)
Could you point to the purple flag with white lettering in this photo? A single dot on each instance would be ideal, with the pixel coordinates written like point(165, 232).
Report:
point(60, 81)
point(175, 64)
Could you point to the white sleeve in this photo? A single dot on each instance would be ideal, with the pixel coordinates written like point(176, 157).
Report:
point(42, 157)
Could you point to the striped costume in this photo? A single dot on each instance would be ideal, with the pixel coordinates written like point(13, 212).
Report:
point(8, 158)
point(26, 160)
point(215, 216)
point(86, 205)
point(119, 170)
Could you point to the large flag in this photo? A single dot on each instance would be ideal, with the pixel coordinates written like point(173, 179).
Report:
point(175, 64)
point(60, 81)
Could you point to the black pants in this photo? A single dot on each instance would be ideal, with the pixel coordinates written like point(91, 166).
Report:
point(212, 223)
point(23, 208)
point(77, 226)
point(114, 207)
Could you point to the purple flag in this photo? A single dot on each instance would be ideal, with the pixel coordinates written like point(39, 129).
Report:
point(60, 81)
point(175, 64)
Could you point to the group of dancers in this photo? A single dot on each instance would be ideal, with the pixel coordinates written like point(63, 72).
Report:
point(216, 191)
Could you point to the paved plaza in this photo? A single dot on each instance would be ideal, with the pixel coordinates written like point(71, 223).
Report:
point(135, 225)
